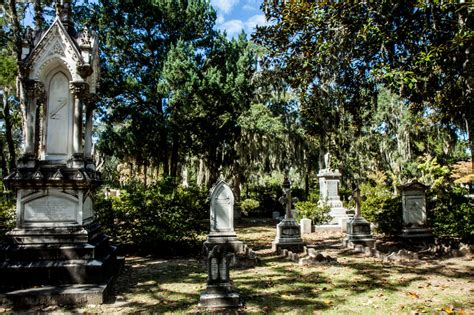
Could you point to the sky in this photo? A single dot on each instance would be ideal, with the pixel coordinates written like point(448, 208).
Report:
point(235, 15)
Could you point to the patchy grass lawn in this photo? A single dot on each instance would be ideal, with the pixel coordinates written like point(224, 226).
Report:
point(355, 284)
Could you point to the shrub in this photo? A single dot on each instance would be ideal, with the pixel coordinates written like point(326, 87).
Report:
point(7, 215)
point(318, 214)
point(249, 206)
point(451, 213)
point(162, 218)
point(380, 206)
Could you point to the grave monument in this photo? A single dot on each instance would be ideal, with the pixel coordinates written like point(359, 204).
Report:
point(221, 247)
point(56, 246)
point(329, 195)
point(358, 229)
point(414, 212)
point(288, 235)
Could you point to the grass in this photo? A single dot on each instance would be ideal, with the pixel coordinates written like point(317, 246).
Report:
point(355, 284)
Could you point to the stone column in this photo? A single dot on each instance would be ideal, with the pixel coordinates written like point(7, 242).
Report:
point(79, 92)
point(90, 104)
point(34, 93)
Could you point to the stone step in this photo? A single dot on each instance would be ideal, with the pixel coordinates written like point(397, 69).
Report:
point(40, 252)
point(55, 272)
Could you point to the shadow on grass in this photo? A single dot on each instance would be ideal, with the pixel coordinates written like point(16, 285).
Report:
point(276, 285)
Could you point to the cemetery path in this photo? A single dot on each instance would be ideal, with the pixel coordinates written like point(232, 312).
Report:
point(355, 284)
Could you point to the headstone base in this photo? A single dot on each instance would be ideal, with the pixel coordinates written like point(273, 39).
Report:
point(417, 235)
point(288, 236)
point(75, 294)
point(230, 240)
point(219, 297)
point(358, 232)
point(94, 261)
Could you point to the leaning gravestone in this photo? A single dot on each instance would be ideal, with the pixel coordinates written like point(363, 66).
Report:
point(56, 244)
point(414, 212)
point(221, 246)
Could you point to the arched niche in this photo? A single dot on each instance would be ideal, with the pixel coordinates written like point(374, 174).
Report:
point(58, 115)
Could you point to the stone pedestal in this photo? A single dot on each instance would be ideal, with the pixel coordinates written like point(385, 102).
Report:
point(329, 195)
point(219, 293)
point(56, 241)
point(358, 232)
point(288, 236)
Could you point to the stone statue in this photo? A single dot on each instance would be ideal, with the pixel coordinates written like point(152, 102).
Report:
point(327, 161)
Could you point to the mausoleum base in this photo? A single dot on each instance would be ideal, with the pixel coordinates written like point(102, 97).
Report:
point(72, 294)
point(417, 235)
point(25, 265)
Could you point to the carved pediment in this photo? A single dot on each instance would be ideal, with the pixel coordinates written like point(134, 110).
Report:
point(55, 45)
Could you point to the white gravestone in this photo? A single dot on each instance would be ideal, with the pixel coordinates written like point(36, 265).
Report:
point(305, 225)
point(222, 208)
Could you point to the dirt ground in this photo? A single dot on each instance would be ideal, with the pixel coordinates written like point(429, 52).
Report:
point(355, 284)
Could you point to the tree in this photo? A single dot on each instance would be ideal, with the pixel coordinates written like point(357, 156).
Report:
point(337, 55)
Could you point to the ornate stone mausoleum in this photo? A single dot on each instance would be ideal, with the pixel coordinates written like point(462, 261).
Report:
point(55, 240)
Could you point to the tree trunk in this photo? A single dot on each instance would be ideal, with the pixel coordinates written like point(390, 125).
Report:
point(174, 157)
point(145, 177)
point(200, 176)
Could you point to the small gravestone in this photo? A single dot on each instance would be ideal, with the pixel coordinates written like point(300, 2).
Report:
point(221, 246)
point(275, 215)
point(414, 212)
point(305, 225)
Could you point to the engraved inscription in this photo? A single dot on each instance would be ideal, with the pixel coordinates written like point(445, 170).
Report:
point(332, 188)
point(415, 210)
point(87, 210)
point(214, 269)
point(50, 209)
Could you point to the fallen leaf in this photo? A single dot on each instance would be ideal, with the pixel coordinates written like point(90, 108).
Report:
point(413, 295)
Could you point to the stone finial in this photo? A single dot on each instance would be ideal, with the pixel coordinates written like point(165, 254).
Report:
point(64, 12)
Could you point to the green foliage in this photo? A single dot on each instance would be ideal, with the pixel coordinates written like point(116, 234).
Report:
point(319, 214)
point(451, 213)
point(380, 206)
point(155, 219)
point(7, 213)
point(249, 205)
